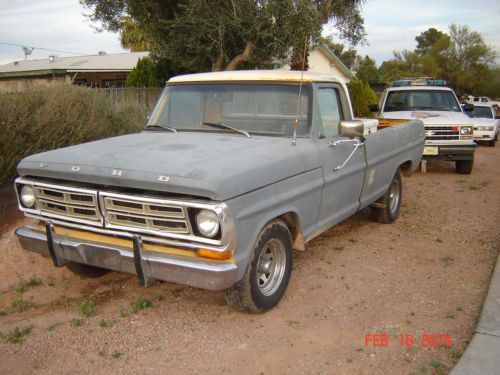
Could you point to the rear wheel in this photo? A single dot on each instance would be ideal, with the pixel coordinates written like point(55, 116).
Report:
point(268, 271)
point(386, 209)
point(464, 166)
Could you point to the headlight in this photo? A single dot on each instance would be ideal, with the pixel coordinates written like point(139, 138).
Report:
point(28, 196)
point(464, 130)
point(208, 223)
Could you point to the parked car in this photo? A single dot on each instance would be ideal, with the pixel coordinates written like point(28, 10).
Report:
point(449, 132)
point(486, 124)
point(232, 172)
point(482, 100)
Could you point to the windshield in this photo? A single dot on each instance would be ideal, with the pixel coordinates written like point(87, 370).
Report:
point(480, 112)
point(412, 100)
point(267, 109)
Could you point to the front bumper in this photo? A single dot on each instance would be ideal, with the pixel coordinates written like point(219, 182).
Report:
point(484, 135)
point(446, 152)
point(129, 256)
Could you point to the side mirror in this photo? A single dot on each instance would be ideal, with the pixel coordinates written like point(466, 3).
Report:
point(468, 107)
point(351, 129)
point(373, 107)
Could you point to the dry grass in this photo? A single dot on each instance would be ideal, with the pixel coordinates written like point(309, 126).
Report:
point(58, 116)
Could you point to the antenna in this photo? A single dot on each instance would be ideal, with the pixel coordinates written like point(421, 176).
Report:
point(296, 123)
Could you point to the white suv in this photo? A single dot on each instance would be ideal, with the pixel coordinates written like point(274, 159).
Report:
point(448, 130)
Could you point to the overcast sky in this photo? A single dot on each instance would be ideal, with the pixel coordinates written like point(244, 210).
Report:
point(390, 25)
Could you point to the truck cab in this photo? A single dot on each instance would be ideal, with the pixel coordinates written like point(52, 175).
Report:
point(448, 130)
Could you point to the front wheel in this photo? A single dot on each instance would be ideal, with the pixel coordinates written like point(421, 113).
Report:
point(386, 209)
point(268, 271)
point(492, 143)
point(464, 166)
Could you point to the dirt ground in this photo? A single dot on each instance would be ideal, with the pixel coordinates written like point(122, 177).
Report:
point(426, 274)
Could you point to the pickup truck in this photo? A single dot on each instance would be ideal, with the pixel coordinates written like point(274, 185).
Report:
point(448, 130)
point(232, 172)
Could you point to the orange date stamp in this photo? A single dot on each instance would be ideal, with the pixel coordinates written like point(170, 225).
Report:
point(409, 340)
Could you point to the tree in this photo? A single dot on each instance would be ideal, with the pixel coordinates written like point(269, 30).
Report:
point(361, 96)
point(133, 37)
point(346, 55)
point(143, 74)
point(429, 39)
point(408, 64)
point(203, 35)
point(367, 70)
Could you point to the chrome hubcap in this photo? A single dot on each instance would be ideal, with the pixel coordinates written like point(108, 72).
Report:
point(394, 196)
point(271, 267)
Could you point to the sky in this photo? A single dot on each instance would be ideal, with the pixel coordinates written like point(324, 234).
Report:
point(390, 25)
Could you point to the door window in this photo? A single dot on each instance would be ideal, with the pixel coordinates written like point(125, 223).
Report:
point(329, 111)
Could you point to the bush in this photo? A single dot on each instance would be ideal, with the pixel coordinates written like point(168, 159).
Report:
point(361, 96)
point(58, 116)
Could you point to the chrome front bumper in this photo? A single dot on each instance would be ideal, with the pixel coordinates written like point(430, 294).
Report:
point(147, 265)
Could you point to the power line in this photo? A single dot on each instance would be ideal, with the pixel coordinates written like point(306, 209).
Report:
point(44, 49)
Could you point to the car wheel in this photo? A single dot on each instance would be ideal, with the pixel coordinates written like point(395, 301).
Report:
point(86, 271)
point(492, 143)
point(268, 271)
point(464, 166)
point(386, 209)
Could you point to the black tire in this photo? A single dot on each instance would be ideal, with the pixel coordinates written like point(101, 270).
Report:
point(492, 143)
point(386, 209)
point(464, 166)
point(250, 293)
point(86, 271)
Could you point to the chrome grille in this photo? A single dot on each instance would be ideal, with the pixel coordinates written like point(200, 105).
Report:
point(144, 213)
point(76, 205)
point(433, 133)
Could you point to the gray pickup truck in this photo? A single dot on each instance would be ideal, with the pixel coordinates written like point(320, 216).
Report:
point(232, 172)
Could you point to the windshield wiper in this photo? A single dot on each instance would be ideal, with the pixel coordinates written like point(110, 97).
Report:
point(162, 126)
point(224, 126)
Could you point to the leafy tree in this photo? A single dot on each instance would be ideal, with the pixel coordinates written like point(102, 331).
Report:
point(430, 39)
point(367, 70)
point(143, 74)
point(408, 64)
point(361, 96)
point(133, 37)
point(202, 35)
point(346, 55)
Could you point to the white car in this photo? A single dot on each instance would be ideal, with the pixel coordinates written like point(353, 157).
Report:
point(486, 124)
point(482, 100)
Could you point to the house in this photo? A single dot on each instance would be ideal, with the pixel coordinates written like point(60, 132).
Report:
point(102, 70)
point(323, 60)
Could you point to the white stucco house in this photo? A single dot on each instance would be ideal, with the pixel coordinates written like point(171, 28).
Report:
point(323, 60)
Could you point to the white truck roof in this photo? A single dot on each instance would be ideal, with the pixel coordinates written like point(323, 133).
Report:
point(414, 88)
point(257, 75)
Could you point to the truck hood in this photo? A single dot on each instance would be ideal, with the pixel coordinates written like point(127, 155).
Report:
point(214, 165)
point(485, 122)
point(431, 117)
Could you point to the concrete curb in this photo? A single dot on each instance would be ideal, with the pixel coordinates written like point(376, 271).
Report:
point(482, 356)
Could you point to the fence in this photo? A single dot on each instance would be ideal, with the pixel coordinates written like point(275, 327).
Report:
point(145, 97)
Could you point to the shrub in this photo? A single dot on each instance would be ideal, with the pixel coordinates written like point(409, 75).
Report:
point(63, 115)
point(361, 96)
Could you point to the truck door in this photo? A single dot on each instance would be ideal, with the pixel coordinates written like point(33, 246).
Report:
point(343, 178)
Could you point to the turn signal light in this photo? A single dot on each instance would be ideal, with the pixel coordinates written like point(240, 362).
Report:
point(454, 128)
point(212, 254)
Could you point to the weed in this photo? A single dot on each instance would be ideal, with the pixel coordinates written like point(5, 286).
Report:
point(105, 324)
point(459, 308)
point(438, 367)
point(439, 240)
point(16, 336)
point(34, 281)
point(116, 354)
point(359, 349)
point(75, 322)
point(140, 304)
point(349, 360)
point(447, 260)
point(352, 240)
point(339, 248)
point(3, 312)
point(20, 304)
point(123, 313)
point(87, 308)
point(101, 353)
point(456, 354)
point(52, 327)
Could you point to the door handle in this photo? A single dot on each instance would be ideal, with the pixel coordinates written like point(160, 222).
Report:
point(355, 143)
